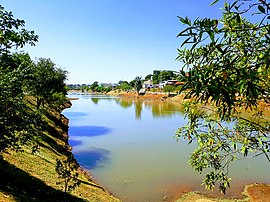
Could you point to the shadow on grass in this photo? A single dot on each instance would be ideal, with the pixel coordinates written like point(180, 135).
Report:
point(24, 187)
point(53, 145)
point(58, 123)
point(56, 133)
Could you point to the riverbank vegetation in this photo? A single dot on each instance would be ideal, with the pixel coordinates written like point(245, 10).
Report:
point(36, 163)
point(228, 69)
point(160, 81)
point(228, 62)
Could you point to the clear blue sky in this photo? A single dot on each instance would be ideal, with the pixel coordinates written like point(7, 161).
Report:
point(108, 40)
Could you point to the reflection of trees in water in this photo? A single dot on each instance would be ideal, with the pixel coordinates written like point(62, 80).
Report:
point(95, 100)
point(159, 109)
point(138, 109)
point(163, 109)
point(124, 103)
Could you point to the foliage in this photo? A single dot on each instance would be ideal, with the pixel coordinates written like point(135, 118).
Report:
point(124, 86)
point(165, 75)
point(47, 82)
point(178, 89)
point(94, 85)
point(57, 100)
point(138, 83)
point(228, 61)
point(103, 89)
point(168, 89)
point(16, 120)
point(12, 33)
point(85, 88)
point(107, 89)
point(148, 77)
point(67, 172)
point(155, 76)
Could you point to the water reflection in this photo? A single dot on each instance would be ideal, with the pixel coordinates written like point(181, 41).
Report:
point(158, 108)
point(124, 103)
point(138, 109)
point(74, 143)
point(138, 157)
point(75, 114)
point(94, 158)
point(95, 100)
point(164, 109)
point(89, 131)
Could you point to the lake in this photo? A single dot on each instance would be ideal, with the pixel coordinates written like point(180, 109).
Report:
point(130, 149)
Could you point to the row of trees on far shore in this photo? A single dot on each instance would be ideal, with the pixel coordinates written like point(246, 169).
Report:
point(156, 79)
point(226, 69)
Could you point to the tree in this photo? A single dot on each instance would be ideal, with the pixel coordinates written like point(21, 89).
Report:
point(67, 172)
point(164, 76)
point(47, 82)
point(148, 77)
point(228, 61)
point(168, 89)
point(16, 119)
point(156, 76)
point(12, 33)
point(120, 82)
point(138, 83)
point(124, 86)
point(94, 85)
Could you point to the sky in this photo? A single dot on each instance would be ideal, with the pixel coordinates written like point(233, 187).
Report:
point(108, 40)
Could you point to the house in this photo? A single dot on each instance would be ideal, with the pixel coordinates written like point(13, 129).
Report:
point(162, 84)
point(170, 82)
point(147, 84)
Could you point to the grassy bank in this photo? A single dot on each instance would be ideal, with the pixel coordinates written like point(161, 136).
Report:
point(32, 177)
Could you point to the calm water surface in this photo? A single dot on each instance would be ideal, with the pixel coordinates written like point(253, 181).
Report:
point(129, 148)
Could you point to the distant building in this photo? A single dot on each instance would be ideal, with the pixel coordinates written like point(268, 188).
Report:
point(170, 82)
point(162, 84)
point(147, 84)
point(107, 85)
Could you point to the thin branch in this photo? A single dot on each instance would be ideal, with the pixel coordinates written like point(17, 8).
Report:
point(268, 158)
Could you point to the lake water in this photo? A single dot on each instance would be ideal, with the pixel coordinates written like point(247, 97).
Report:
point(130, 149)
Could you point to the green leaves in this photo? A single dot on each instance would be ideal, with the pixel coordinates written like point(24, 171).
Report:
point(12, 33)
point(212, 35)
point(212, 177)
point(261, 9)
point(18, 121)
point(138, 83)
point(228, 66)
point(198, 31)
point(67, 173)
point(16, 118)
point(214, 2)
point(46, 80)
point(185, 20)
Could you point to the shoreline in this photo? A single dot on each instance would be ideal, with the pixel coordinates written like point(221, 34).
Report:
point(81, 170)
point(250, 192)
